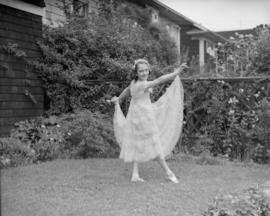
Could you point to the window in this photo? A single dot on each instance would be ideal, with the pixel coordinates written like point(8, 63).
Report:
point(80, 8)
point(154, 14)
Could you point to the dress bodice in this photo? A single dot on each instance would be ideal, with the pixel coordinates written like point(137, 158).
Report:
point(137, 91)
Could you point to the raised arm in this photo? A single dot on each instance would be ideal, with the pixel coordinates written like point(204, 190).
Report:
point(166, 77)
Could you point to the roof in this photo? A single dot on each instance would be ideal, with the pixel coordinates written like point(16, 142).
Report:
point(166, 11)
point(228, 34)
point(182, 20)
point(39, 3)
point(208, 34)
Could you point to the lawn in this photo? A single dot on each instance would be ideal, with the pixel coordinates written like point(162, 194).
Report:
point(102, 187)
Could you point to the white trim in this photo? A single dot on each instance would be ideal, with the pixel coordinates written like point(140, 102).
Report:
point(30, 8)
point(201, 52)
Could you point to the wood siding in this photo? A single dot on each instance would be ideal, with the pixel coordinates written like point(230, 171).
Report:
point(24, 29)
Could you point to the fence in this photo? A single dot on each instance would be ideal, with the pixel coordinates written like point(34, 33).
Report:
point(220, 114)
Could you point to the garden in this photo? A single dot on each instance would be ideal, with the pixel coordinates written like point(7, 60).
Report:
point(86, 61)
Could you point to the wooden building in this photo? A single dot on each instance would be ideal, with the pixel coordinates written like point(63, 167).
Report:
point(21, 93)
point(187, 34)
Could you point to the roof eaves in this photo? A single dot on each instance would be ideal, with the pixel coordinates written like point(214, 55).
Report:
point(178, 14)
point(211, 33)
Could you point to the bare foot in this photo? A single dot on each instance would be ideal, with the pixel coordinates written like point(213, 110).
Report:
point(172, 178)
point(136, 179)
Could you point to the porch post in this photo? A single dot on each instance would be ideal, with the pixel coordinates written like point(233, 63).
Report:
point(201, 52)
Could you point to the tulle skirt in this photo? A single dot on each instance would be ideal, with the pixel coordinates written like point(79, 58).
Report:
point(150, 129)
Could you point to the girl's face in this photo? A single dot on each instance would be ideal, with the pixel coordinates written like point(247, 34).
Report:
point(142, 71)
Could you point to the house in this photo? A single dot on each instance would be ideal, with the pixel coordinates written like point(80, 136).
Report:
point(21, 94)
point(232, 34)
point(187, 34)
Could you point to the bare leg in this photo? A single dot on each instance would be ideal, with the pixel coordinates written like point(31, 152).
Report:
point(135, 173)
point(166, 168)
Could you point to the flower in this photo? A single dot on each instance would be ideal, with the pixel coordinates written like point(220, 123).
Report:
point(5, 161)
point(69, 134)
point(241, 90)
point(231, 112)
point(58, 126)
point(233, 100)
point(43, 126)
point(219, 44)
point(257, 95)
point(221, 81)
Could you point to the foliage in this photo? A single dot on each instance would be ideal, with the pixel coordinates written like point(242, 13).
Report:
point(14, 152)
point(249, 203)
point(261, 58)
point(228, 118)
point(102, 47)
point(245, 55)
point(79, 135)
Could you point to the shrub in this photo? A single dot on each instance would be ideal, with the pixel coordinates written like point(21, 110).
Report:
point(81, 134)
point(14, 152)
point(246, 55)
point(250, 202)
point(228, 118)
point(103, 48)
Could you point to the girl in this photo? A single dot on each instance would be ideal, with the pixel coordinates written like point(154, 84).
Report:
point(150, 130)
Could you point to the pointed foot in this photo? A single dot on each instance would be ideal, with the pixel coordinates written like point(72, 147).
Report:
point(172, 178)
point(137, 179)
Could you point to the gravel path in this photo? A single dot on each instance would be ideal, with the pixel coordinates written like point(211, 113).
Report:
point(102, 187)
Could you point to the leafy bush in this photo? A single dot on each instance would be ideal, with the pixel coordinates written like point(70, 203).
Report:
point(245, 55)
point(82, 134)
point(103, 48)
point(249, 203)
point(14, 152)
point(228, 118)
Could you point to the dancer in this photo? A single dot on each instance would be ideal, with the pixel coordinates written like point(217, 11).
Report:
point(150, 130)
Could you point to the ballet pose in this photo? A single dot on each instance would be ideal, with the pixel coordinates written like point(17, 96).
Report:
point(150, 130)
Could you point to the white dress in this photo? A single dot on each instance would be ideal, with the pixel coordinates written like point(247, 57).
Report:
point(150, 129)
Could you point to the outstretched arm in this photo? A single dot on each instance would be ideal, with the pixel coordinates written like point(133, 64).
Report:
point(122, 96)
point(166, 77)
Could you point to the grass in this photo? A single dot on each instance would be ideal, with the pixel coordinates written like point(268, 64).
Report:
point(102, 187)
